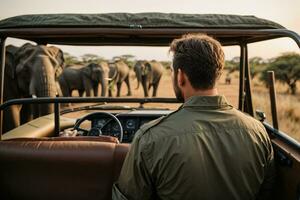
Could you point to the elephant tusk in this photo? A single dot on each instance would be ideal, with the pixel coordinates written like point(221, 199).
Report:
point(109, 79)
point(34, 96)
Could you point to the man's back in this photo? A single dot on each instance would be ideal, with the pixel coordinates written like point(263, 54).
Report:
point(205, 150)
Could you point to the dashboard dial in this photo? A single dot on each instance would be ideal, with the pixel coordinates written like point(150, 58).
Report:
point(130, 124)
point(115, 127)
point(100, 123)
point(94, 132)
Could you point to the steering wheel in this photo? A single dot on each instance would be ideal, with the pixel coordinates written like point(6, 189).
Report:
point(97, 131)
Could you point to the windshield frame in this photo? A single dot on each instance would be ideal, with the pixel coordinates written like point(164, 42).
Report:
point(139, 37)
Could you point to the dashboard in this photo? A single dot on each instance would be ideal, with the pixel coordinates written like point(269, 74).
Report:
point(131, 121)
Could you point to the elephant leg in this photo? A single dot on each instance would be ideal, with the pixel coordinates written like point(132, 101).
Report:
point(11, 118)
point(110, 88)
point(88, 86)
point(80, 92)
point(119, 84)
point(128, 86)
point(65, 90)
point(38, 110)
point(155, 87)
point(96, 87)
point(27, 113)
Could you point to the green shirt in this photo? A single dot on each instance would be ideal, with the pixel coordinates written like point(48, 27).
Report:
point(205, 150)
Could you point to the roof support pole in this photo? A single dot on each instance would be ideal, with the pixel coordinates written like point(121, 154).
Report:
point(248, 107)
point(242, 77)
point(2, 70)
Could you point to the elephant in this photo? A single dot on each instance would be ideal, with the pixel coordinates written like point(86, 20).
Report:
point(149, 74)
point(85, 79)
point(118, 72)
point(30, 71)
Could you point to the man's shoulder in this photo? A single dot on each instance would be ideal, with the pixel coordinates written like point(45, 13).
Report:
point(253, 127)
point(248, 120)
point(144, 128)
point(158, 125)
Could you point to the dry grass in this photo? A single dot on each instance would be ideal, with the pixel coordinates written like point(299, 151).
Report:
point(288, 106)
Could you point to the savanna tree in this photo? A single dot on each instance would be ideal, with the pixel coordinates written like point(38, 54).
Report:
point(128, 59)
point(257, 65)
point(70, 59)
point(286, 68)
point(232, 65)
point(89, 58)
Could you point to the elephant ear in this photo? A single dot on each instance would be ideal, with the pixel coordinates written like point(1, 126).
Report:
point(56, 56)
point(113, 72)
point(87, 71)
point(23, 56)
point(147, 68)
point(10, 61)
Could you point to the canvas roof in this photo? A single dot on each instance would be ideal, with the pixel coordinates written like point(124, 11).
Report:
point(141, 29)
point(139, 20)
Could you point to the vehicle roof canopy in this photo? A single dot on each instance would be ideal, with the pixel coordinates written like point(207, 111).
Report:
point(138, 20)
point(144, 29)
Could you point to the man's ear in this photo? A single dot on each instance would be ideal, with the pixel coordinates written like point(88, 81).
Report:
point(181, 78)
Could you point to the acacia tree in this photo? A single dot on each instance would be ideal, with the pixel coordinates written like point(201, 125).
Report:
point(233, 64)
point(257, 65)
point(89, 57)
point(286, 68)
point(70, 59)
point(128, 59)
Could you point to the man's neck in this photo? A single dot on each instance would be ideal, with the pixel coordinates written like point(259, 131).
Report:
point(208, 92)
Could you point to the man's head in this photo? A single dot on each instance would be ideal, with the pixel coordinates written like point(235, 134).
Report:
point(198, 61)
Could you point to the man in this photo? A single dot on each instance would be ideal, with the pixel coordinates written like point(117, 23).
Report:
point(206, 149)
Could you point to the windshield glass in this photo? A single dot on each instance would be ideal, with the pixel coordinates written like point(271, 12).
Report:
point(138, 71)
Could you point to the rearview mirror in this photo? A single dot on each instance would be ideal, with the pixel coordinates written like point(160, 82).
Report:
point(260, 115)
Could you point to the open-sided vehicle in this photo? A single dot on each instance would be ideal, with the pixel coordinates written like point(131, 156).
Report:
point(36, 163)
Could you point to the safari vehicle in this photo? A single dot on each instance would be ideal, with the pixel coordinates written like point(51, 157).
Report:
point(36, 163)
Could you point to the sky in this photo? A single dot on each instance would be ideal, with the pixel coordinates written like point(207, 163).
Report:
point(285, 13)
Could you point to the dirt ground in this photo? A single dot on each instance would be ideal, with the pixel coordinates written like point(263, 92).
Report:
point(230, 91)
point(166, 88)
point(287, 106)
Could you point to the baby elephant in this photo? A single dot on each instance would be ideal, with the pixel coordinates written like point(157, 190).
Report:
point(85, 79)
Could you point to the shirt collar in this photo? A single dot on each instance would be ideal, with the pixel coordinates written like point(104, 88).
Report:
point(207, 102)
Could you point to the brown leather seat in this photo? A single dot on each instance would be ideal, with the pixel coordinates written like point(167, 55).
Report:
point(59, 168)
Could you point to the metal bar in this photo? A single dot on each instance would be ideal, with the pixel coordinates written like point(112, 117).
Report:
point(45, 100)
point(2, 73)
point(83, 31)
point(282, 136)
point(56, 119)
point(58, 35)
point(249, 103)
point(242, 78)
point(272, 90)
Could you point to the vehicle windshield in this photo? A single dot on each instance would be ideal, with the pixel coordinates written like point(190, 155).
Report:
point(77, 57)
point(142, 63)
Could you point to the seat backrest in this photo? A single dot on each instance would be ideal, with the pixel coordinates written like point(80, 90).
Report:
point(59, 168)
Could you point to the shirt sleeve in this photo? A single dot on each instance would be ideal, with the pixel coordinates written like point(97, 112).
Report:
point(134, 181)
point(268, 186)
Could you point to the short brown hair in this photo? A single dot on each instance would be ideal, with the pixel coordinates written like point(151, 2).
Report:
point(199, 56)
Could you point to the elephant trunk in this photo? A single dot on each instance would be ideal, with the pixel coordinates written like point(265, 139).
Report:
point(139, 77)
point(43, 85)
point(103, 86)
